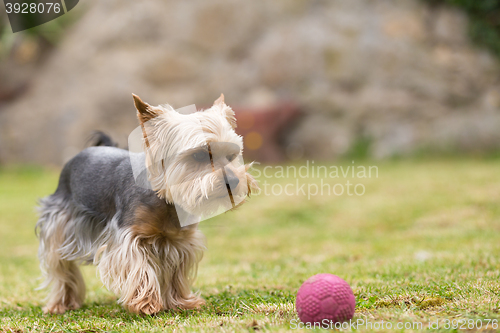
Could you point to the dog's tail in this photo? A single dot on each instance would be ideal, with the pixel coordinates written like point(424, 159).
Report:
point(99, 138)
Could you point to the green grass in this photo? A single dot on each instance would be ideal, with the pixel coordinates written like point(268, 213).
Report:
point(422, 244)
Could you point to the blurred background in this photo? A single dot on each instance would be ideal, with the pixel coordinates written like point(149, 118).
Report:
point(318, 79)
point(411, 87)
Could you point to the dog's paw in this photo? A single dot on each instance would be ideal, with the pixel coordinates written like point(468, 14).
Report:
point(148, 308)
point(54, 309)
point(59, 308)
point(151, 309)
point(193, 302)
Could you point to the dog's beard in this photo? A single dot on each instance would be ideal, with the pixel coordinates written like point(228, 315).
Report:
point(207, 194)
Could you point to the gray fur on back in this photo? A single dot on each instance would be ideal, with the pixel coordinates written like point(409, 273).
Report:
point(98, 190)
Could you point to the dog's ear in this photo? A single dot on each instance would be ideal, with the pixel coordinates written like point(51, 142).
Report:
point(231, 118)
point(145, 112)
point(220, 101)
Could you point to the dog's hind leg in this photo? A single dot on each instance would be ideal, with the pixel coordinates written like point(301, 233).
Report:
point(67, 288)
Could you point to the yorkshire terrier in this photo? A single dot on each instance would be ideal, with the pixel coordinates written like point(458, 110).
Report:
point(134, 234)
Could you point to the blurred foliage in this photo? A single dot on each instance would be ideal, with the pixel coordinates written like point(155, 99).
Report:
point(49, 33)
point(484, 26)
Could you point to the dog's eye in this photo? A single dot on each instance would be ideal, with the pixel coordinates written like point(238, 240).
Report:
point(231, 157)
point(201, 156)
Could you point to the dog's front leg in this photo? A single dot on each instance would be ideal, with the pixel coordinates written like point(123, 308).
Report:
point(179, 273)
point(131, 269)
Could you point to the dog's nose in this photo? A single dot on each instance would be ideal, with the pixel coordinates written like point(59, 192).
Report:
point(231, 179)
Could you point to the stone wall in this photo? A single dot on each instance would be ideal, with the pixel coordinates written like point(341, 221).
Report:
point(397, 72)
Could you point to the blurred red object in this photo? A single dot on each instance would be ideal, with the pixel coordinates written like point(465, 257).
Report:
point(263, 128)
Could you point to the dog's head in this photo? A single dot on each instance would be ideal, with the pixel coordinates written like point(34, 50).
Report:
point(195, 160)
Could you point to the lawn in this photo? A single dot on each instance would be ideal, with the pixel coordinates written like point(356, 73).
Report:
point(421, 245)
